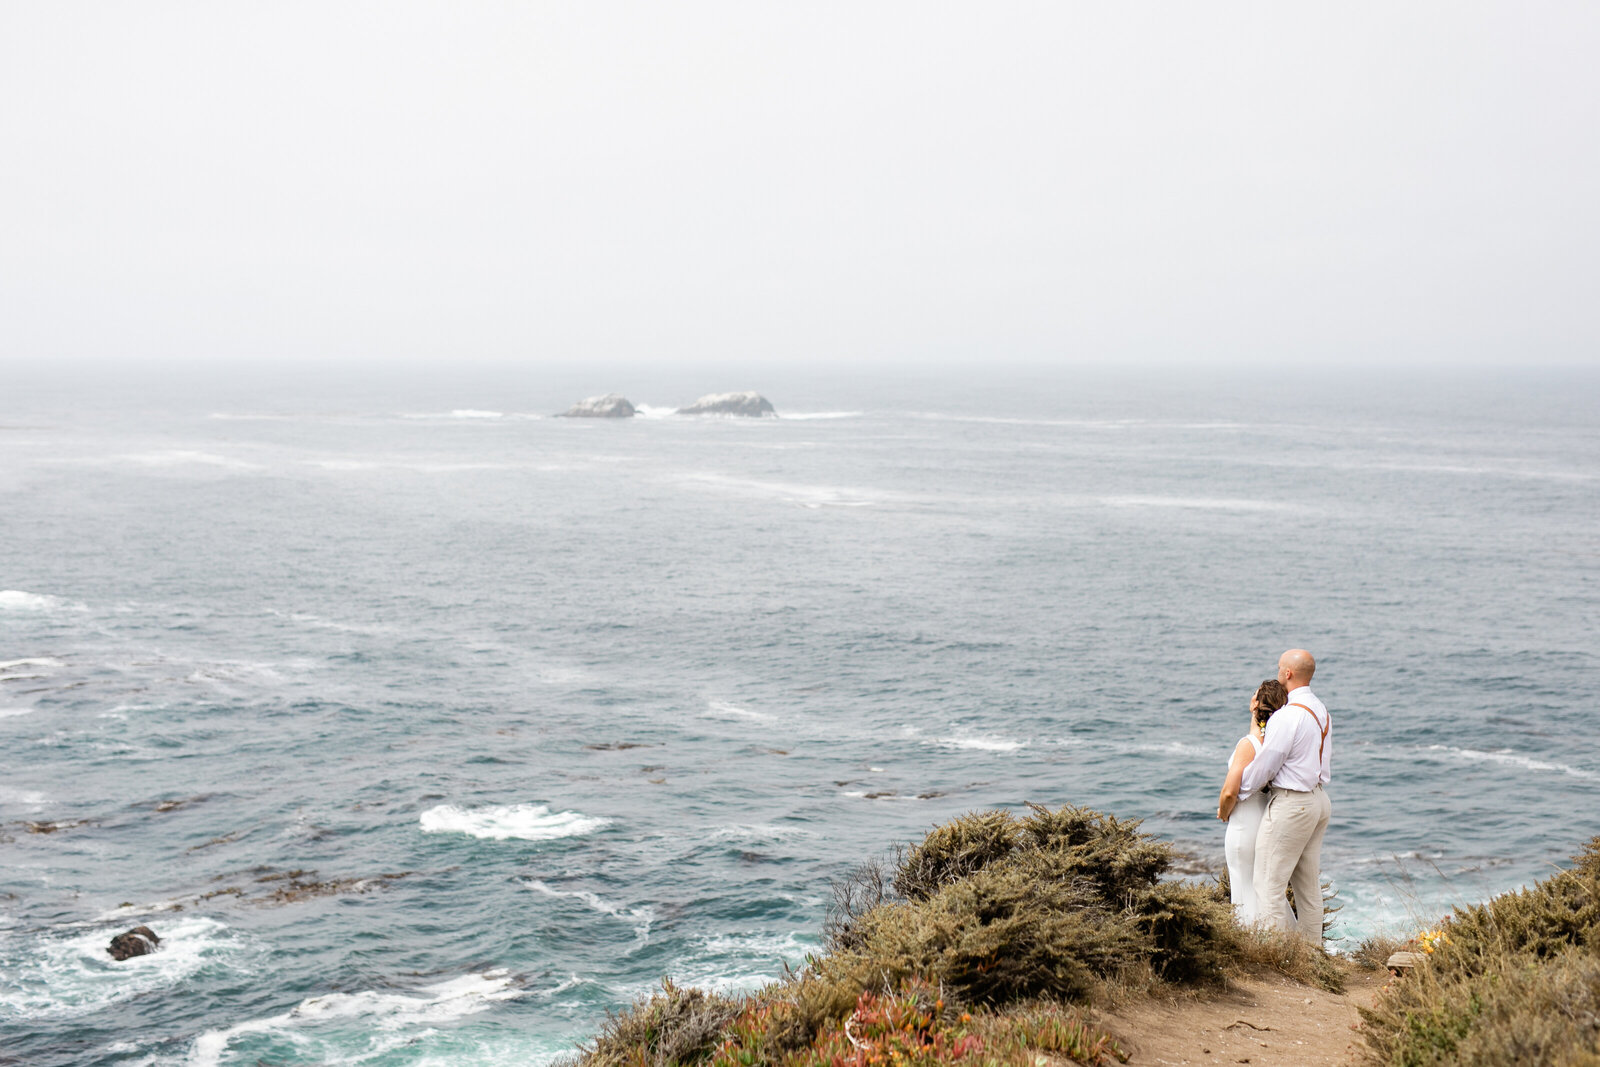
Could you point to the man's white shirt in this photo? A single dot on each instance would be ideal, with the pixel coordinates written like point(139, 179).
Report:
point(1288, 756)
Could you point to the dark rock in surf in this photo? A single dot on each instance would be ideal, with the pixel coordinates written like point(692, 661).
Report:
point(610, 406)
point(748, 405)
point(139, 941)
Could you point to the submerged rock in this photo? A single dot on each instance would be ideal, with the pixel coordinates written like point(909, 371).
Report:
point(610, 406)
point(139, 941)
point(751, 405)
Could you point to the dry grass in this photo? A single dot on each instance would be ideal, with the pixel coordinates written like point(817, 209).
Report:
point(1288, 954)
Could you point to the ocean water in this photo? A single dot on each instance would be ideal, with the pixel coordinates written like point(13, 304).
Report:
point(424, 728)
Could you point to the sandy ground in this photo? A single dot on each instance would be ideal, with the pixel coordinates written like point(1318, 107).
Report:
point(1265, 1022)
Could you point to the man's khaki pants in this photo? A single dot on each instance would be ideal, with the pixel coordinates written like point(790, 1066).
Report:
point(1289, 852)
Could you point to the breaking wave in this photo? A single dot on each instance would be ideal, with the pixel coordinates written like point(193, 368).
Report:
point(525, 822)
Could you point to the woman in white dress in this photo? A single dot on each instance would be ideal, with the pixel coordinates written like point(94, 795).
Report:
point(1243, 813)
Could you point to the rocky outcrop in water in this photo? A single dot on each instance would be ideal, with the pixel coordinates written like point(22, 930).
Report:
point(139, 941)
point(610, 406)
point(749, 405)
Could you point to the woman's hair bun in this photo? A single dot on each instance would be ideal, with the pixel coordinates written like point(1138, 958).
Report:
point(1270, 696)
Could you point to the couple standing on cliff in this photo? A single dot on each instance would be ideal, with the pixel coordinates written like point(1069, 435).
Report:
point(1275, 803)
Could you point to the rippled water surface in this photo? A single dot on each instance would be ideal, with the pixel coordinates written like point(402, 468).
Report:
point(424, 730)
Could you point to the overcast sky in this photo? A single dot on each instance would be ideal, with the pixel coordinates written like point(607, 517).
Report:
point(748, 181)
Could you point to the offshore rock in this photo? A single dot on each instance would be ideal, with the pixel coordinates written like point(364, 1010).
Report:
point(139, 941)
point(750, 405)
point(610, 406)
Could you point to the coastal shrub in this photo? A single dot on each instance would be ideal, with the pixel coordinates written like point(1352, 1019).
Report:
point(1190, 936)
point(1004, 933)
point(1516, 979)
point(997, 909)
point(1109, 851)
point(951, 852)
point(672, 1026)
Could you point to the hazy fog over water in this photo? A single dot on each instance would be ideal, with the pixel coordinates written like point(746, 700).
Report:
point(757, 181)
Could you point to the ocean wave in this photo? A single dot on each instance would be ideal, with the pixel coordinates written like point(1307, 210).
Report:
point(68, 975)
point(742, 962)
point(27, 798)
point(1178, 748)
point(381, 1018)
point(978, 744)
point(721, 709)
point(1007, 420)
point(807, 496)
point(17, 600)
point(318, 622)
point(12, 713)
point(759, 832)
point(179, 457)
point(36, 661)
point(1203, 503)
point(457, 413)
point(525, 822)
point(1513, 759)
point(653, 411)
point(806, 416)
point(638, 918)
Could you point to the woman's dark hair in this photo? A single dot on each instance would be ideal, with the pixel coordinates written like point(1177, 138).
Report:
point(1270, 696)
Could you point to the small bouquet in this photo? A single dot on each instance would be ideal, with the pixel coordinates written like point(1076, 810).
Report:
point(1429, 940)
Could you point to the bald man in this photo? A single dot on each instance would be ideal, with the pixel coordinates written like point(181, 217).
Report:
point(1296, 755)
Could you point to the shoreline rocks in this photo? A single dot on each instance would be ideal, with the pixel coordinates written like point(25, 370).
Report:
point(140, 941)
point(746, 405)
point(610, 406)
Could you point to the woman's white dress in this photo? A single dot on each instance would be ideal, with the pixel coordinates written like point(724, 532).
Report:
point(1239, 846)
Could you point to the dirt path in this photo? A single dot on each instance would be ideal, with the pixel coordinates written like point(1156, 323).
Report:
point(1265, 1022)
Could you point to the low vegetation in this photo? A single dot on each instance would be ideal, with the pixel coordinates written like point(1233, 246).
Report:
point(1512, 981)
point(985, 942)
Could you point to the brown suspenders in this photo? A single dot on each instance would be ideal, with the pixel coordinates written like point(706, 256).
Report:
point(1313, 715)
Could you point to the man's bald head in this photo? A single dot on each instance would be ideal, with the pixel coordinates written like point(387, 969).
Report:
point(1295, 668)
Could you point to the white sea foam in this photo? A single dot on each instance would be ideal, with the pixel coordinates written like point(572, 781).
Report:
point(12, 713)
point(742, 962)
point(806, 416)
point(17, 600)
point(37, 661)
point(652, 411)
point(181, 457)
point(70, 974)
point(638, 918)
point(526, 822)
point(1178, 748)
point(721, 709)
point(807, 496)
point(979, 743)
point(457, 413)
point(1510, 758)
point(760, 832)
point(382, 1017)
point(28, 798)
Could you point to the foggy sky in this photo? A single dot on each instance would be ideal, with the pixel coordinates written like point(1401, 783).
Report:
point(749, 181)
